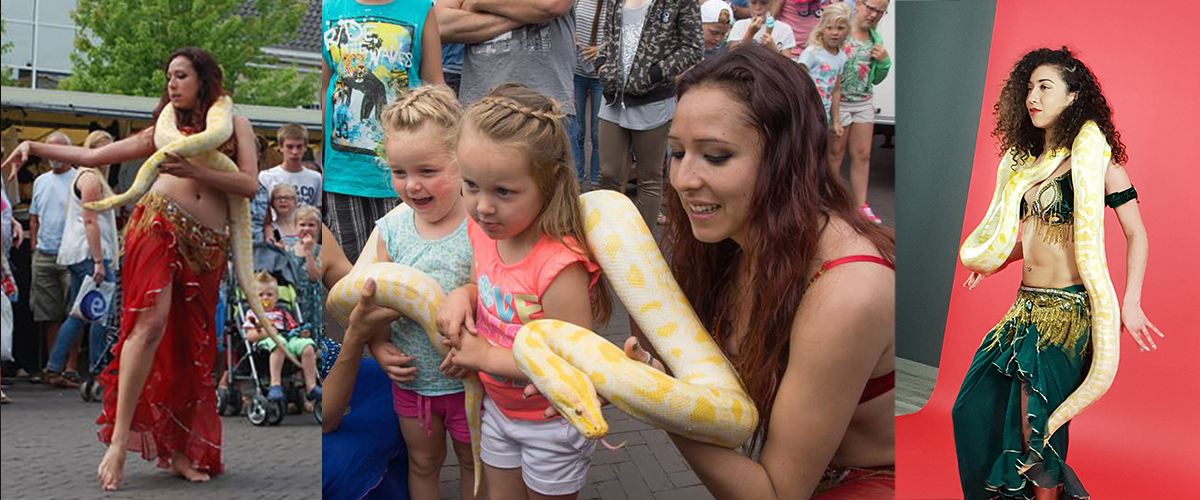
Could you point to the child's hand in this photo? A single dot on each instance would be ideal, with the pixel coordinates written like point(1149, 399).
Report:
point(367, 318)
point(457, 313)
point(769, 41)
point(451, 370)
point(756, 23)
point(306, 245)
point(878, 53)
point(838, 130)
point(393, 361)
point(471, 354)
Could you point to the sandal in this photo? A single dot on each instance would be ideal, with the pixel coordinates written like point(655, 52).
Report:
point(59, 380)
point(3, 398)
point(37, 378)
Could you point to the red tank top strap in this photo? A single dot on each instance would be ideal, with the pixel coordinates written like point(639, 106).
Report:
point(848, 259)
point(878, 386)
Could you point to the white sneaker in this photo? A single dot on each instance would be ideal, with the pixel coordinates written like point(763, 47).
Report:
point(866, 211)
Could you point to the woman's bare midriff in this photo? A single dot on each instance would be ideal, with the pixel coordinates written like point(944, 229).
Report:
point(209, 206)
point(1047, 265)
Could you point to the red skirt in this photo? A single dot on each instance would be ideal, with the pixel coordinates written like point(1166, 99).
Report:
point(177, 411)
point(854, 483)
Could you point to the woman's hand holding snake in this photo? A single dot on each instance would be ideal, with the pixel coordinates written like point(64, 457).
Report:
point(179, 166)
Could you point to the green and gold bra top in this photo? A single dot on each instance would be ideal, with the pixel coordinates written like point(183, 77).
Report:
point(1053, 206)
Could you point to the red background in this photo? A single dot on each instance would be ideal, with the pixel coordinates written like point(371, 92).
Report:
point(1142, 439)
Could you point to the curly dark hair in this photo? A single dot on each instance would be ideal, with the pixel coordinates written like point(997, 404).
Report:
point(1016, 131)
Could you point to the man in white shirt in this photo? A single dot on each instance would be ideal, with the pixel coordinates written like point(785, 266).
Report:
point(765, 30)
point(293, 141)
point(51, 281)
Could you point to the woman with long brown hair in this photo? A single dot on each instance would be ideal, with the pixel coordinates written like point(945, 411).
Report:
point(160, 398)
point(793, 282)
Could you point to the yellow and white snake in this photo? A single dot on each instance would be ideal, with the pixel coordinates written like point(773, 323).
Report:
point(989, 245)
point(203, 147)
point(418, 297)
point(570, 365)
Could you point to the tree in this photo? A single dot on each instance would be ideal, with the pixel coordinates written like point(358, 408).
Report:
point(5, 78)
point(122, 46)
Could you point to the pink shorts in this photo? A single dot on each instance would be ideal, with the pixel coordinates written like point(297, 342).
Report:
point(450, 407)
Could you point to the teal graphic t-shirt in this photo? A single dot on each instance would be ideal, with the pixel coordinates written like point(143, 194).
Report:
point(374, 53)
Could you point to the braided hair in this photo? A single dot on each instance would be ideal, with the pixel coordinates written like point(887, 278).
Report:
point(432, 104)
point(517, 116)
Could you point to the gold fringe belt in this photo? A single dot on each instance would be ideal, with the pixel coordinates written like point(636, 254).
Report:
point(201, 247)
point(1062, 317)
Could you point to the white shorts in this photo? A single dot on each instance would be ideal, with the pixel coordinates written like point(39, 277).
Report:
point(553, 457)
point(856, 112)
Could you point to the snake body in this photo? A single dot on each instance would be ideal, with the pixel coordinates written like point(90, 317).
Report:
point(418, 297)
point(569, 365)
point(203, 147)
point(987, 247)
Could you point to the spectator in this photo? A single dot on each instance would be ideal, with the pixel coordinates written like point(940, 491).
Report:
point(293, 142)
point(368, 62)
point(589, 34)
point(716, 17)
point(764, 29)
point(47, 217)
point(283, 202)
point(648, 44)
point(88, 250)
point(801, 16)
point(867, 64)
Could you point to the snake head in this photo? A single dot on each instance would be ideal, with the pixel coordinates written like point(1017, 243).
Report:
point(585, 416)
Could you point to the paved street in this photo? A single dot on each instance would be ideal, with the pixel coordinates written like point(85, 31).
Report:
point(50, 451)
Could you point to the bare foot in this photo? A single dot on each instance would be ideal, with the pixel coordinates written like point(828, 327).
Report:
point(181, 466)
point(112, 467)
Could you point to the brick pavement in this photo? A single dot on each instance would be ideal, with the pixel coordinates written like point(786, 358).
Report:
point(49, 450)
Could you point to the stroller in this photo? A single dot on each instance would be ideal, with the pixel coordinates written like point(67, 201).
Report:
point(248, 362)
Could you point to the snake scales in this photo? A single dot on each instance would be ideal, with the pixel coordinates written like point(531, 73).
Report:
point(203, 147)
point(990, 243)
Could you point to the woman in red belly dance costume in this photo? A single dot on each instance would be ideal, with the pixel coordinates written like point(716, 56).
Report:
point(794, 284)
point(159, 396)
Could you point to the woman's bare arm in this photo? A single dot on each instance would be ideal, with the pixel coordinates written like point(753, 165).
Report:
point(838, 336)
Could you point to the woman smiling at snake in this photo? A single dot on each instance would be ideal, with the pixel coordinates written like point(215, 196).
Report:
point(757, 223)
point(1062, 162)
point(160, 398)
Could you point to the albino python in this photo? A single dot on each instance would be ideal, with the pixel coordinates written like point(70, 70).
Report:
point(570, 365)
point(989, 245)
point(418, 297)
point(203, 146)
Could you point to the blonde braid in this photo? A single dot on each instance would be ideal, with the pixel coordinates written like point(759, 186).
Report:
point(419, 105)
point(516, 116)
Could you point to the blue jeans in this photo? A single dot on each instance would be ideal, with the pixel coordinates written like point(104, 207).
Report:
point(71, 328)
point(585, 87)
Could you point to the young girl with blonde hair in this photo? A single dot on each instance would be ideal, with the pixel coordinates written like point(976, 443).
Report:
point(427, 232)
point(531, 262)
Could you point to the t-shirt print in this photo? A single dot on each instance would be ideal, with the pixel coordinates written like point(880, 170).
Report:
point(373, 58)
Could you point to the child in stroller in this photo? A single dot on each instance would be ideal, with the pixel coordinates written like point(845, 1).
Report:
point(299, 341)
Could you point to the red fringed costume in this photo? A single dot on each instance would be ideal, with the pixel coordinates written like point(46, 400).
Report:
point(177, 411)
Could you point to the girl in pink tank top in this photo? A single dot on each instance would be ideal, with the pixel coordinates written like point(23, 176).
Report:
point(531, 262)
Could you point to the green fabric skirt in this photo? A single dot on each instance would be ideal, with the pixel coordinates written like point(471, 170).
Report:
point(1041, 347)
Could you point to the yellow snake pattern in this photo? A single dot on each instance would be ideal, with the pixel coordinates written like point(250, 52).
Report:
point(570, 365)
point(202, 146)
point(418, 297)
point(987, 247)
